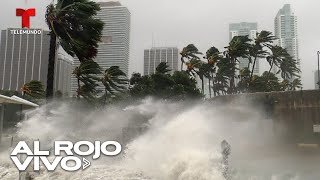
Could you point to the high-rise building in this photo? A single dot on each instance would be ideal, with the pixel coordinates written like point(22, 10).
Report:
point(285, 25)
point(24, 57)
point(316, 79)
point(154, 56)
point(115, 42)
point(63, 72)
point(244, 29)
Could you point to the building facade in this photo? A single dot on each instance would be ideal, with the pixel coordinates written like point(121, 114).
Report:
point(285, 25)
point(245, 29)
point(24, 57)
point(114, 48)
point(154, 56)
point(63, 72)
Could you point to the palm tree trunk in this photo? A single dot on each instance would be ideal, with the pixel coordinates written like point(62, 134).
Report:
point(253, 66)
point(270, 70)
point(51, 63)
point(232, 79)
point(202, 86)
point(209, 86)
point(105, 98)
point(78, 92)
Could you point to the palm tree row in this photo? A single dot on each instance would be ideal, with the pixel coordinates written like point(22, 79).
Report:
point(220, 68)
point(89, 75)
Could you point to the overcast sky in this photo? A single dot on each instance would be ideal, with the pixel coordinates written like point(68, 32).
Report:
point(202, 22)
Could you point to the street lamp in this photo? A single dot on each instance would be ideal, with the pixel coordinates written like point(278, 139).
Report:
point(318, 53)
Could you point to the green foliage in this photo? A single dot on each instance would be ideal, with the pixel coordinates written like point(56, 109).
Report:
point(114, 81)
point(162, 68)
point(164, 86)
point(34, 89)
point(189, 52)
point(266, 83)
point(220, 68)
point(87, 73)
point(75, 24)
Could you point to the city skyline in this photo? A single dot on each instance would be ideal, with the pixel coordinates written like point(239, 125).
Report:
point(203, 34)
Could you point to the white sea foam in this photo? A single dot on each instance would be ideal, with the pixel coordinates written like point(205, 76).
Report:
point(181, 142)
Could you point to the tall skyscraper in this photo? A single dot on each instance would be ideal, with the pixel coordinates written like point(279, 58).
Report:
point(24, 57)
point(244, 29)
point(114, 48)
point(63, 72)
point(154, 56)
point(285, 27)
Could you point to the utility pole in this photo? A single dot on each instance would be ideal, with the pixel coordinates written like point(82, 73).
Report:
point(1, 121)
point(318, 53)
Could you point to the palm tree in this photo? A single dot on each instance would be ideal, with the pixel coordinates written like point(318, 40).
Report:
point(263, 39)
point(189, 52)
point(223, 75)
point(72, 24)
point(276, 57)
point(203, 72)
point(238, 48)
point(296, 84)
point(114, 80)
point(288, 68)
point(212, 56)
point(87, 74)
point(33, 88)
point(162, 68)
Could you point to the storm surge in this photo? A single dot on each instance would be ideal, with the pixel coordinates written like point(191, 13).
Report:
point(165, 141)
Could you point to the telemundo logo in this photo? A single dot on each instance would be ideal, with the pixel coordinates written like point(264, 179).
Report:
point(26, 31)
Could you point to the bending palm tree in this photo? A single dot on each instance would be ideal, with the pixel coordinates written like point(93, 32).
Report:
point(86, 73)
point(289, 68)
point(189, 52)
point(238, 48)
point(162, 68)
point(263, 39)
point(212, 55)
point(114, 80)
point(72, 24)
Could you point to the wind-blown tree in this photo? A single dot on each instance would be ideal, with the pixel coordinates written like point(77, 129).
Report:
point(245, 80)
point(73, 25)
point(276, 57)
point(295, 84)
point(196, 67)
point(263, 40)
point(114, 81)
point(33, 89)
point(212, 56)
point(266, 83)
point(288, 68)
point(141, 86)
point(86, 73)
point(189, 52)
point(238, 48)
point(162, 68)
point(162, 85)
point(223, 75)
